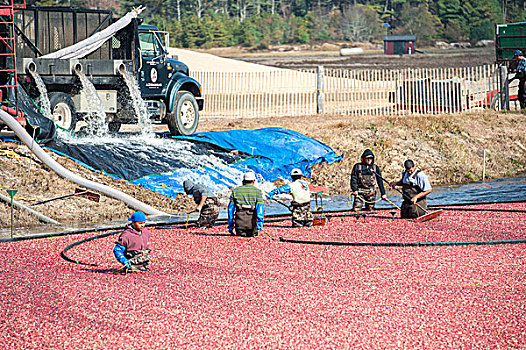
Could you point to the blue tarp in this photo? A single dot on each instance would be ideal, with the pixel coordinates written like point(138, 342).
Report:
point(162, 165)
point(280, 149)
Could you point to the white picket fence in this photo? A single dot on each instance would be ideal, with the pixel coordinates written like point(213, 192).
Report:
point(232, 95)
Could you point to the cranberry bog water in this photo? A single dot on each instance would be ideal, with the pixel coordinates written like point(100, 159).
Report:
point(208, 289)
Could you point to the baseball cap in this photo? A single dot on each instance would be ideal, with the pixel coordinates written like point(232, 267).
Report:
point(408, 164)
point(296, 172)
point(250, 176)
point(138, 216)
point(517, 53)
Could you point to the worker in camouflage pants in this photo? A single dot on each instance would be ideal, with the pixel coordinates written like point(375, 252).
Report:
point(207, 203)
point(300, 206)
point(365, 177)
point(209, 213)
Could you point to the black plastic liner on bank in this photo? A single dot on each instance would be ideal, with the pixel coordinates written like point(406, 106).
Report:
point(132, 157)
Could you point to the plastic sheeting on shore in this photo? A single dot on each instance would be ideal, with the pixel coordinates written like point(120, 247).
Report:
point(163, 164)
point(41, 127)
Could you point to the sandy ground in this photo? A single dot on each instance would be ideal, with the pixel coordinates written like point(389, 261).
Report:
point(199, 61)
point(209, 290)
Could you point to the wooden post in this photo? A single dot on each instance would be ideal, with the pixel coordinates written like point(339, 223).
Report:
point(319, 89)
point(484, 166)
point(504, 88)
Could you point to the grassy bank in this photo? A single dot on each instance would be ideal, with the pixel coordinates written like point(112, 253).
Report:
point(449, 148)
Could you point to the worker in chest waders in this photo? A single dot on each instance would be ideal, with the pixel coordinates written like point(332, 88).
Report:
point(245, 210)
point(207, 203)
point(364, 182)
point(415, 185)
point(132, 248)
point(521, 76)
point(301, 210)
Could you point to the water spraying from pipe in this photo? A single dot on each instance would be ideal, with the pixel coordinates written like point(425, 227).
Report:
point(43, 99)
point(96, 117)
point(138, 104)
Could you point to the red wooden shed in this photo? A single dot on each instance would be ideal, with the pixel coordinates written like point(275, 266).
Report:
point(399, 44)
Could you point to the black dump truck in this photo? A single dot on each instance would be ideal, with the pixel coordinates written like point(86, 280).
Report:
point(172, 97)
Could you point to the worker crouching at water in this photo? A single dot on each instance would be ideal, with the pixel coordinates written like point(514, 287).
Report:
point(301, 210)
point(207, 203)
point(245, 210)
point(132, 248)
point(416, 186)
point(364, 181)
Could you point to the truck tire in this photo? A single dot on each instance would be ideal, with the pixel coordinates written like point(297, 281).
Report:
point(185, 118)
point(63, 110)
point(114, 127)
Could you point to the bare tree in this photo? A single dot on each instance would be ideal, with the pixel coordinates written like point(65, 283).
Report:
point(359, 23)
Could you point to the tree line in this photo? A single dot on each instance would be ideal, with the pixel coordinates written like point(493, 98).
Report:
point(260, 23)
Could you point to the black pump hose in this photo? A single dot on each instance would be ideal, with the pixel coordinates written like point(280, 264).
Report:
point(403, 244)
point(65, 257)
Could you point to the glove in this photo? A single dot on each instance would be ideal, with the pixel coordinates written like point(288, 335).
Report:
point(231, 232)
point(259, 226)
point(128, 265)
point(268, 196)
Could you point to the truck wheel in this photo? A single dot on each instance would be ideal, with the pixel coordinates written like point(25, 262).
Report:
point(63, 110)
point(114, 127)
point(185, 118)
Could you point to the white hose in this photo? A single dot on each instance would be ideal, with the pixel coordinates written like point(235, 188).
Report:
point(42, 217)
point(60, 170)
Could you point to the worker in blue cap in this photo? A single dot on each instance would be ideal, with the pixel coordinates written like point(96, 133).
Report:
point(520, 74)
point(132, 248)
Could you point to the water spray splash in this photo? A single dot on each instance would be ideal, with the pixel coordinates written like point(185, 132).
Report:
point(43, 99)
point(96, 118)
point(138, 104)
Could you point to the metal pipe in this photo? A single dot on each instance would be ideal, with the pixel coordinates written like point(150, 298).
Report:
point(120, 69)
point(60, 170)
point(42, 217)
point(77, 68)
point(31, 67)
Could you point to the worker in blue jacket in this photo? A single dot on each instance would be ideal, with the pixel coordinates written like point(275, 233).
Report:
point(301, 210)
point(132, 248)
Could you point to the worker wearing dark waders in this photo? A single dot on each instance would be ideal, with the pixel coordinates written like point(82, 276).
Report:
point(364, 181)
point(207, 203)
point(132, 248)
point(301, 210)
point(245, 210)
point(521, 76)
point(415, 185)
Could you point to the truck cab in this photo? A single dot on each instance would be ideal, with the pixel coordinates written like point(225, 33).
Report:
point(171, 95)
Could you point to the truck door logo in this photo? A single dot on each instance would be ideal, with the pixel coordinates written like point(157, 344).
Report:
point(153, 75)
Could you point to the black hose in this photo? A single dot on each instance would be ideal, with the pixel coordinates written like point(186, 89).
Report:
point(280, 218)
point(482, 209)
point(65, 257)
point(404, 244)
